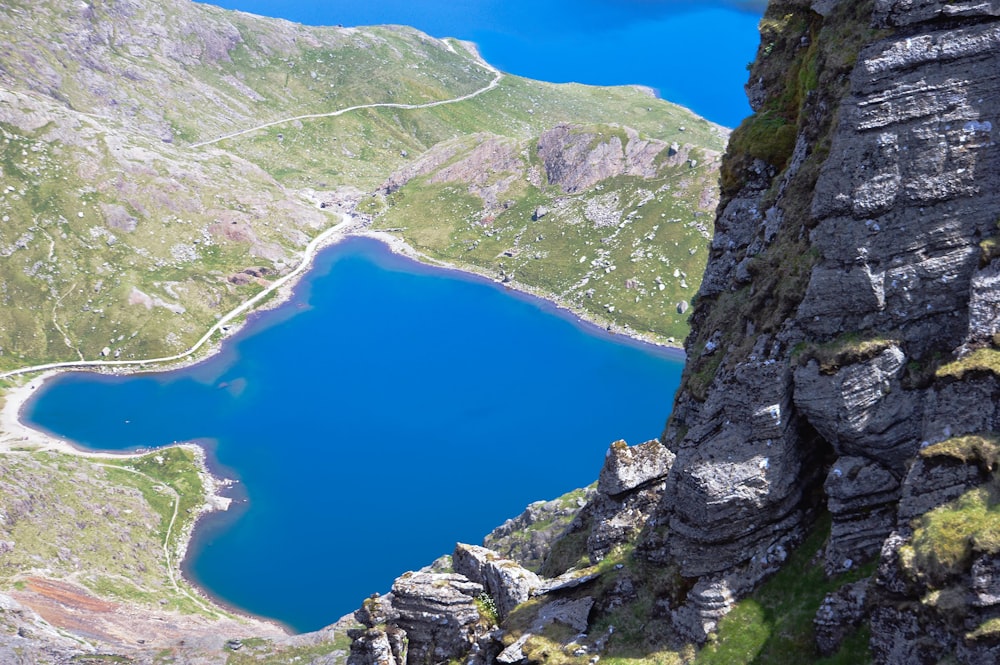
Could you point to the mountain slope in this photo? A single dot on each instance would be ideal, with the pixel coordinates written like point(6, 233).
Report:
point(164, 162)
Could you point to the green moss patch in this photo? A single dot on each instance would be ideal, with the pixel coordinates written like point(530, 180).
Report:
point(947, 539)
point(847, 349)
point(983, 450)
point(980, 360)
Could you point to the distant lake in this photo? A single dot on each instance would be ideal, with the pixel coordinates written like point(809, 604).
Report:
point(693, 52)
point(395, 410)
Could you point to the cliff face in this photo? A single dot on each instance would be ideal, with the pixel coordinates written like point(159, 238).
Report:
point(844, 351)
point(852, 262)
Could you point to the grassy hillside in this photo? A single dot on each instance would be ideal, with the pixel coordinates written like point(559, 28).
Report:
point(124, 233)
point(626, 250)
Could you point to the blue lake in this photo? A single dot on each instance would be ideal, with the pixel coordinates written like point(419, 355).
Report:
point(693, 52)
point(395, 410)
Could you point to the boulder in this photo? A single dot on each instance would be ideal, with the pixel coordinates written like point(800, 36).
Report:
point(627, 468)
point(572, 613)
point(439, 615)
point(376, 611)
point(618, 520)
point(862, 409)
point(503, 579)
point(375, 647)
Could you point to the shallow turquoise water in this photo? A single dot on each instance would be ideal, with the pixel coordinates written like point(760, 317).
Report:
point(396, 410)
point(693, 52)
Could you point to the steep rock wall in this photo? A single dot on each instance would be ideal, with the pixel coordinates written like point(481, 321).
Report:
point(853, 260)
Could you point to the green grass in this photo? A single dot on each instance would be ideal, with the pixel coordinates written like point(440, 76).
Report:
point(101, 527)
point(988, 630)
point(947, 539)
point(983, 450)
point(980, 360)
point(631, 274)
point(774, 625)
point(266, 652)
point(848, 349)
point(176, 467)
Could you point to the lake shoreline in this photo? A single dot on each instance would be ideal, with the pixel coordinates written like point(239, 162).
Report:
point(584, 320)
point(16, 436)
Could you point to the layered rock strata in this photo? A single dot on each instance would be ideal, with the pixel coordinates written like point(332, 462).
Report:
point(898, 224)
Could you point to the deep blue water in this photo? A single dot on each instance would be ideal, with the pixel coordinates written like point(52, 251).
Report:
point(693, 52)
point(396, 410)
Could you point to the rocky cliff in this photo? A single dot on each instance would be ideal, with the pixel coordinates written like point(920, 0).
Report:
point(842, 366)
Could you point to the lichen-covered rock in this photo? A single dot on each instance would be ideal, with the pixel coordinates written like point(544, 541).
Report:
point(629, 467)
point(618, 520)
point(861, 409)
point(375, 611)
point(839, 614)
point(438, 613)
point(374, 647)
point(506, 581)
point(861, 497)
point(528, 537)
point(574, 613)
point(737, 486)
point(934, 482)
point(899, 637)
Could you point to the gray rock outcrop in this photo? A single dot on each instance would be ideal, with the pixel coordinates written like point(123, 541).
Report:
point(861, 409)
point(377, 647)
point(504, 580)
point(528, 537)
point(439, 615)
point(627, 468)
point(840, 613)
point(862, 497)
point(573, 162)
point(821, 388)
point(428, 617)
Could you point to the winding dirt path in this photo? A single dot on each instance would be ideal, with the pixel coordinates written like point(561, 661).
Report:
point(308, 253)
point(497, 76)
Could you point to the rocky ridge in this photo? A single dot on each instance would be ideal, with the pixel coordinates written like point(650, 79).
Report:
point(611, 220)
point(472, 611)
point(843, 357)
